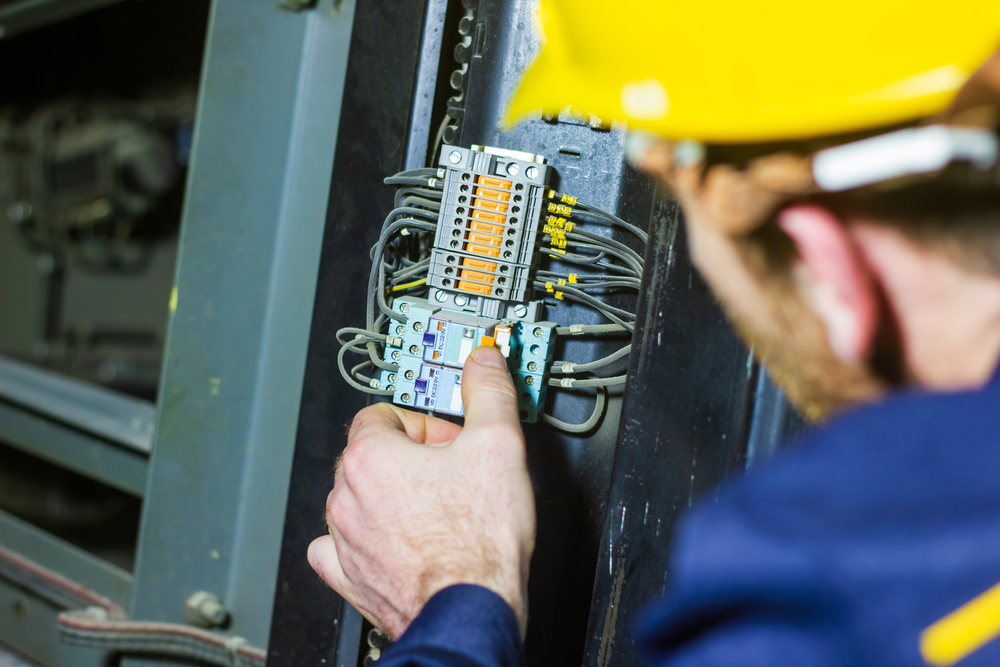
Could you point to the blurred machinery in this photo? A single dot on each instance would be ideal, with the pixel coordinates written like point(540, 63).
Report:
point(89, 192)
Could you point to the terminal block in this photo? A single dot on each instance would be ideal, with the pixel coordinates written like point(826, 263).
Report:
point(431, 346)
point(486, 244)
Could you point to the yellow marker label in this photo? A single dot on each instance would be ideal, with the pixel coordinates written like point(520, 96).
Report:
point(569, 226)
point(569, 199)
point(558, 243)
point(572, 278)
point(561, 252)
point(559, 295)
point(549, 287)
point(562, 281)
point(967, 629)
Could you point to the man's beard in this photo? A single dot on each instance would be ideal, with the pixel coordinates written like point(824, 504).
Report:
point(797, 354)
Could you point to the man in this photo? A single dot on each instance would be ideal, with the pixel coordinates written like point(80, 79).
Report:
point(860, 259)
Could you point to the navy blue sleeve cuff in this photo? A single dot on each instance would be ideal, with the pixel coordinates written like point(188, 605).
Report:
point(461, 625)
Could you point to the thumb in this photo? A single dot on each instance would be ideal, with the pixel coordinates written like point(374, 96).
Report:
point(488, 393)
point(322, 556)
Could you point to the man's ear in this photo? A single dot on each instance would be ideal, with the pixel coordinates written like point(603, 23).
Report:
point(834, 279)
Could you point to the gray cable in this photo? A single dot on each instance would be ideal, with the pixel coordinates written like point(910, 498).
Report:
point(633, 268)
point(573, 383)
point(586, 426)
point(579, 295)
point(584, 240)
point(351, 381)
point(563, 367)
point(592, 211)
point(357, 331)
point(580, 329)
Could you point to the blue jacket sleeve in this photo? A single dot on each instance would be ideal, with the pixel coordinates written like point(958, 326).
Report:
point(462, 625)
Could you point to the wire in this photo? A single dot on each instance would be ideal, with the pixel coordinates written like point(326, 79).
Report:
point(574, 383)
point(596, 214)
point(563, 367)
point(415, 283)
point(579, 329)
point(355, 331)
point(586, 426)
point(350, 380)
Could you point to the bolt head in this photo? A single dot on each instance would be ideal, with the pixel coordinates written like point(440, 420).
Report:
point(454, 157)
point(405, 398)
point(396, 355)
point(520, 310)
point(400, 330)
point(393, 377)
point(441, 295)
point(512, 169)
point(532, 366)
point(461, 300)
point(529, 380)
point(537, 332)
point(409, 375)
point(418, 326)
point(531, 172)
point(414, 349)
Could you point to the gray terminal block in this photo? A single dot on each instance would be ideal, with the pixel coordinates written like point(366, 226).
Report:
point(488, 229)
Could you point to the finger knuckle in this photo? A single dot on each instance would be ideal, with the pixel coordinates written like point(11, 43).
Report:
point(354, 464)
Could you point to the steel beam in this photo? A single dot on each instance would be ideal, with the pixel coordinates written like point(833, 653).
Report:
point(253, 222)
point(106, 414)
point(98, 433)
point(116, 466)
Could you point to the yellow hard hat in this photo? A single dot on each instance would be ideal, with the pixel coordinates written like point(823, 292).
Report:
point(733, 71)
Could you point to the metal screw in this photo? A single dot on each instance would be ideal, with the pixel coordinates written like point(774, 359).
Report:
point(454, 157)
point(409, 375)
point(393, 377)
point(532, 366)
point(404, 308)
point(400, 330)
point(396, 355)
point(414, 349)
point(418, 326)
point(520, 310)
point(512, 169)
point(537, 332)
point(461, 300)
point(441, 295)
point(391, 388)
point(529, 380)
point(206, 610)
point(405, 398)
point(531, 172)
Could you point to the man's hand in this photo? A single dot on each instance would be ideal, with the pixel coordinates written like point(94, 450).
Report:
point(419, 504)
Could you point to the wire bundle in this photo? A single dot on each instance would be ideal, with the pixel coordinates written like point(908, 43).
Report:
point(401, 260)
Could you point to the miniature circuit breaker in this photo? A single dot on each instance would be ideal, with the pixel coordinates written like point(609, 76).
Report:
point(481, 274)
